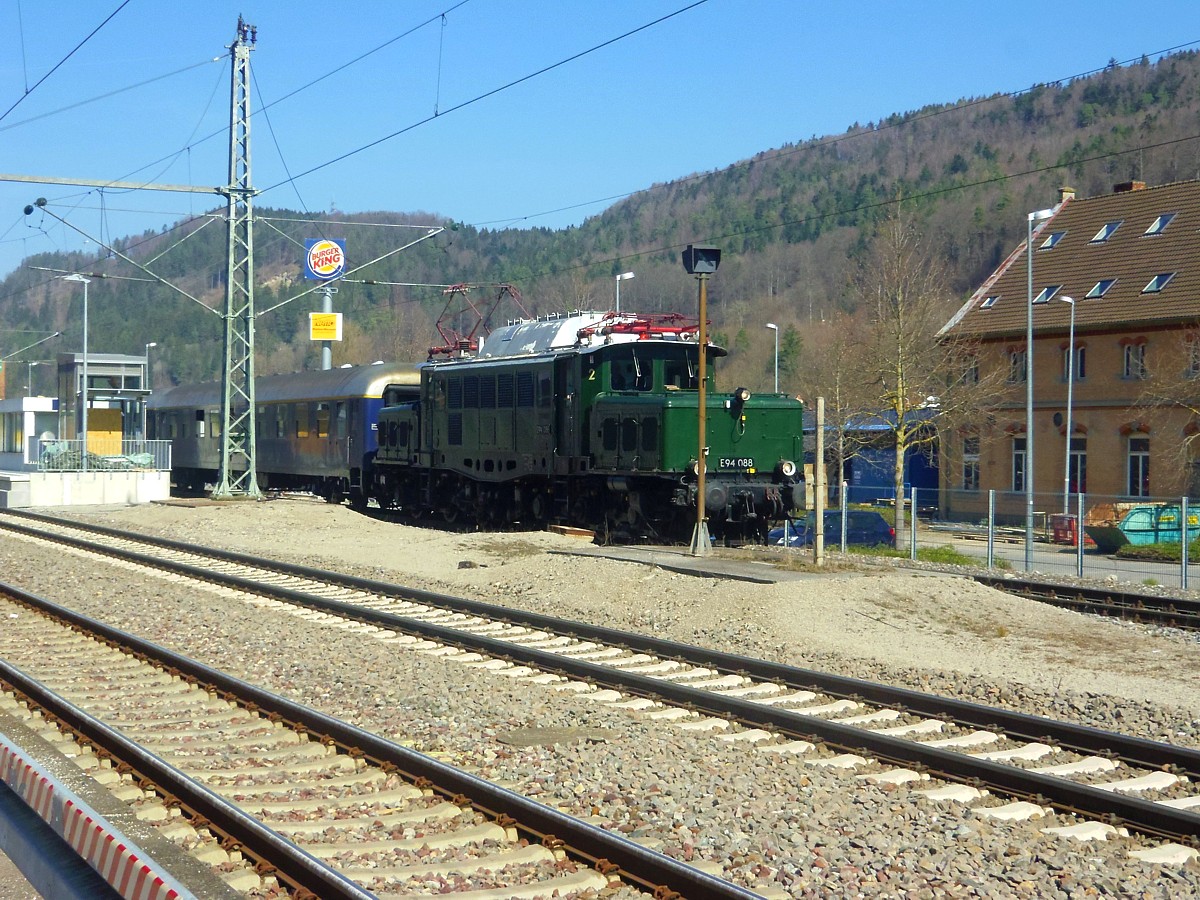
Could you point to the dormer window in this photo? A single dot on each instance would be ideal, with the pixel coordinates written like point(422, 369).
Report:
point(1159, 224)
point(1106, 232)
point(1047, 292)
point(1158, 282)
point(1052, 240)
point(989, 302)
point(1100, 288)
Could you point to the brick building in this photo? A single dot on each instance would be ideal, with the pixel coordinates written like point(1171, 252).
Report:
point(1130, 260)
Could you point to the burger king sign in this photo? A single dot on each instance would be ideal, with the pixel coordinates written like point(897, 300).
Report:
point(324, 259)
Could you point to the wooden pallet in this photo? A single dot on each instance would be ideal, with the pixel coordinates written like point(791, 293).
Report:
point(571, 531)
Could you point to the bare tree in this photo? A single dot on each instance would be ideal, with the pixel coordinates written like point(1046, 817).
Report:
point(1169, 405)
point(903, 288)
point(832, 367)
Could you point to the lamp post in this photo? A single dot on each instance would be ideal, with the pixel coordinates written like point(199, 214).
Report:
point(83, 395)
point(775, 328)
point(701, 262)
point(1070, 386)
point(624, 276)
point(149, 384)
point(29, 379)
point(1038, 216)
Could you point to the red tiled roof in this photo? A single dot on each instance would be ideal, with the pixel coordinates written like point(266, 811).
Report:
point(1130, 256)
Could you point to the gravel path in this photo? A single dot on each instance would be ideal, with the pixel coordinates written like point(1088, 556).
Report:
point(778, 826)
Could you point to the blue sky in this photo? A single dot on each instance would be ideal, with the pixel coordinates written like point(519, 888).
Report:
point(706, 87)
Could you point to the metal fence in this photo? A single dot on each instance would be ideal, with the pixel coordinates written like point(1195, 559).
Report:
point(1146, 540)
point(104, 455)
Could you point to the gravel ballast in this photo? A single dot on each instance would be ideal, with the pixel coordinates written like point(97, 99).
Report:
point(774, 824)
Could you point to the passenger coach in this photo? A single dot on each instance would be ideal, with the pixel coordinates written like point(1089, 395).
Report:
point(316, 431)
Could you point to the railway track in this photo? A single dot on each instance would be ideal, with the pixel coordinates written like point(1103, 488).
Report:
point(1173, 612)
point(883, 734)
point(279, 797)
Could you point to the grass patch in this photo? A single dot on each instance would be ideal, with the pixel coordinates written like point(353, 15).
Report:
point(1158, 552)
point(943, 554)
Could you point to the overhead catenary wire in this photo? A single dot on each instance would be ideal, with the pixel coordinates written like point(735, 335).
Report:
point(58, 65)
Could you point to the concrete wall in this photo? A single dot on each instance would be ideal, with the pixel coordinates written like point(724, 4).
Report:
point(19, 490)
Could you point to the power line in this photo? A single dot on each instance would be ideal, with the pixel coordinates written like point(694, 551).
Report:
point(57, 65)
point(487, 94)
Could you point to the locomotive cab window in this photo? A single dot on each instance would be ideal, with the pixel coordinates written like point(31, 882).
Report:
point(629, 371)
point(679, 375)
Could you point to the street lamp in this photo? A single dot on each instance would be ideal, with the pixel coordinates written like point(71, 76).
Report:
point(1070, 385)
point(29, 379)
point(1038, 216)
point(624, 276)
point(701, 262)
point(775, 328)
point(79, 279)
point(149, 384)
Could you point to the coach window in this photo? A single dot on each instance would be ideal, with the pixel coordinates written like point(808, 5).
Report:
point(301, 410)
point(322, 420)
point(340, 418)
point(281, 420)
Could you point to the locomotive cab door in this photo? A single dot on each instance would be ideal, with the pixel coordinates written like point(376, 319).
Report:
point(567, 460)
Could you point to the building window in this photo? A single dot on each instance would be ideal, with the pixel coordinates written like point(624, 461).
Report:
point(1016, 366)
point(1047, 292)
point(1100, 288)
point(1139, 466)
point(1018, 464)
point(970, 471)
point(1193, 357)
point(1052, 241)
point(968, 369)
point(1158, 282)
point(1077, 477)
point(989, 302)
point(1135, 361)
point(1080, 363)
point(1106, 232)
point(1157, 226)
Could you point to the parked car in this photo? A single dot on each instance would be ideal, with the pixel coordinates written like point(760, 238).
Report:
point(863, 527)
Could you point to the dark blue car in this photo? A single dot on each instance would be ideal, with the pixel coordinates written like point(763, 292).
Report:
point(863, 528)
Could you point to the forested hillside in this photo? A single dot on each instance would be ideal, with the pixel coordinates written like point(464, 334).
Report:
point(792, 223)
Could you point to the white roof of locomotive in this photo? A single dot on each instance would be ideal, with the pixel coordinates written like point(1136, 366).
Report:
point(567, 331)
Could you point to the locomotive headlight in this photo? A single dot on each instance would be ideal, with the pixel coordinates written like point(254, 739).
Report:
point(786, 468)
point(741, 395)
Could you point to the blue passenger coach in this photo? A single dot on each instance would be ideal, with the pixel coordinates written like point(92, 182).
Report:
point(316, 431)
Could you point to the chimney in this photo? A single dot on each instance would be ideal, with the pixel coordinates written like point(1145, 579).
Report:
point(1126, 186)
point(1065, 194)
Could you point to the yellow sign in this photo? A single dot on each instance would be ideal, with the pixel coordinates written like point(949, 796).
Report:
point(324, 326)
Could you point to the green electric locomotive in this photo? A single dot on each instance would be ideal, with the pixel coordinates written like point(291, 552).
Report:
point(589, 419)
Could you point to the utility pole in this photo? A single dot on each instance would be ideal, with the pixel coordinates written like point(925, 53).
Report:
point(238, 467)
